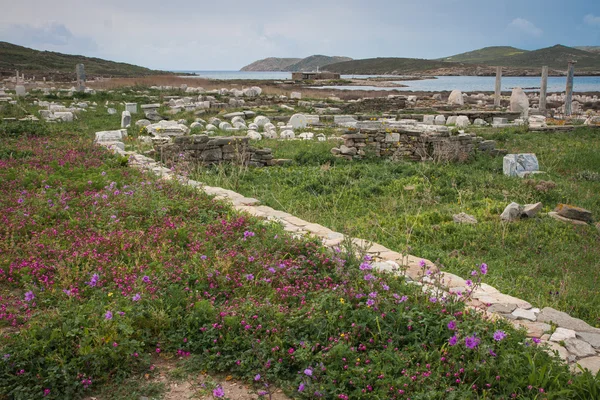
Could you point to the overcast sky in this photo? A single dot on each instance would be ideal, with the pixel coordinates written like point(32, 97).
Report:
point(228, 34)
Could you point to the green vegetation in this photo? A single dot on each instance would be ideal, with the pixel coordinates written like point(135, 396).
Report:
point(411, 204)
point(49, 63)
point(555, 57)
point(482, 56)
point(310, 63)
point(387, 66)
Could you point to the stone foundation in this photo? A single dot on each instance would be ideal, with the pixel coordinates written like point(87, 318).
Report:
point(205, 150)
point(410, 144)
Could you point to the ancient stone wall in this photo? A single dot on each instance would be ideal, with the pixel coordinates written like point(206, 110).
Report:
point(410, 144)
point(205, 150)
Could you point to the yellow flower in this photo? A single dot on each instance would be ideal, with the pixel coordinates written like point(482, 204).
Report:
point(342, 300)
point(110, 294)
point(342, 335)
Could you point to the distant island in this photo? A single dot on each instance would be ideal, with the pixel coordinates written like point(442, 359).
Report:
point(481, 62)
point(307, 64)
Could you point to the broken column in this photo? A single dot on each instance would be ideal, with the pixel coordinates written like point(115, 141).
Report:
point(543, 89)
point(498, 92)
point(569, 96)
point(80, 71)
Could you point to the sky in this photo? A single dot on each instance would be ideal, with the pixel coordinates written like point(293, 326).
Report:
point(228, 34)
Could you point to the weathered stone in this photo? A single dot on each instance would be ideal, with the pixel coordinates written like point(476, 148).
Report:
point(261, 121)
point(298, 121)
point(462, 121)
point(20, 90)
point(125, 119)
point(519, 102)
point(579, 348)
point(440, 119)
point(562, 334)
point(131, 107)
point(557, 217)
point(591, 338)
point(142, 123)
point(451, 120)
point(348, 151)
point(502, 308)
point(534, 329)
point(512, 212)
point(562, 319)
point(287, 134)
point(520, 313)
point(253, 135)
point(590, 363)
point(456, 98)
point(520, 164)
point(572, 212)
point(464, 218)
point(555, 347)
point(110, 136)
point(531, 210)
point(111, 111)
point(429, 119)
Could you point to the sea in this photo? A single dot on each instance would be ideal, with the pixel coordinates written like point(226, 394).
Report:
point(440, 83)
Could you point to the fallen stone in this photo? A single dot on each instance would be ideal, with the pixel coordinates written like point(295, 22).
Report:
point(125, 119)
point(519, 102)
point(555, 347)
point(502, 308)
point(462, 121)
point(298, 121)
point(520, 164)
point(572, 212)
point(464, 218)
point(590, 363)
point(512, 212)
point(456, 98)
point(591, 338)
point(531, 210)
point(520, 313)
point(557, 217)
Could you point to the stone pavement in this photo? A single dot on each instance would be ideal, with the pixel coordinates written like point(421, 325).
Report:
point(572, 339)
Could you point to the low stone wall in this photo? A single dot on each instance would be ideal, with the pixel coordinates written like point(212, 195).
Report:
point(205, 150)
point(410, 144)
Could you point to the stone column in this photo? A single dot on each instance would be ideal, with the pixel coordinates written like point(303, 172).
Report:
point(498, 92)
point(17, 81)
point(569, 96)
point(543, 89)
point(80, 71)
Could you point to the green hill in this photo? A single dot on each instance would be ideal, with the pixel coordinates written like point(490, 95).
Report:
point(49, 63)
point(555, 57)
point(484, 55)
point(387, 66)
point(317, 61)
point(591, 49)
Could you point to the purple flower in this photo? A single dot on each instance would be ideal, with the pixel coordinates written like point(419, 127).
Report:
point(249, 277)
point(365, 266)
point(250, 258)
point(146, 279)
point(67, 292)
point(308, 372)
point(218, 392)
point(433, 299)
point(471, 342)
point(422, 263)
point(483, 268)
point(136, 297)
point(368, 277)
point(257, 377)
point(453, 340)
point(370, 302)
point(452, 325)
point(108, 315)
point(20, 201)
point(373, 295)
point(473, 273)
point(301, 387)
point(493, 354)
point(94, 280)
point(248, 234)
point(536, 340)
point(367, 257)
point(469, 282)
point(271, 270)
point(29, 296)
point(385, 287)
point(499, 335)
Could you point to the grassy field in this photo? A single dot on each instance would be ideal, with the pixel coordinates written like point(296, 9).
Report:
point(410, 206)
point(107, 273)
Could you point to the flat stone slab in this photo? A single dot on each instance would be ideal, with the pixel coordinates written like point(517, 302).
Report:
point(502, 308)
point(591, 338)
point(590, 363)
point(558, 217)
point(555, 347)
point(564, 320)
point(579, 348)
point(562, 334)
point(534, 329)
point(521, 313)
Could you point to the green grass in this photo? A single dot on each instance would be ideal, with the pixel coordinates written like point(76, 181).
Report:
point(540, 260)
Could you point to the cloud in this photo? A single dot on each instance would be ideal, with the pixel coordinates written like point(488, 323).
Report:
point(592, 20)
point(525, 26)
point(50, 36)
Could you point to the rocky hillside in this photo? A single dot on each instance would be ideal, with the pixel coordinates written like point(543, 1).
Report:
point(310, 63)
point(591, 49)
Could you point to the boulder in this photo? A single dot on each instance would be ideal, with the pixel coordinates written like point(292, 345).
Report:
point(456, 98)
point(451, 120)
point(437, 96)
point(512, 212)
point(287, 134)
point(572, 212)
point(225, 126)
point(479, 122)
point(298, 121)
point(520, 164)
point(531, 210)
point(261, 121)
point(142, 122)
point(429, 119)
point(306, 135)
point(253, 135)
point(111, 111)
point(348, 151)
point(519, 102)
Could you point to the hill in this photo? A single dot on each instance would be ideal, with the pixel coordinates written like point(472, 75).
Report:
point(271, 64)
point(58, 65)
point(555, 57)
point(591, 49)
point(310, 63)
point(387, 66)
point(481, 56)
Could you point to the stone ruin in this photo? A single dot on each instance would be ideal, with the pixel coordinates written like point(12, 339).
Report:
point(407, 143)
point(204, 150)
